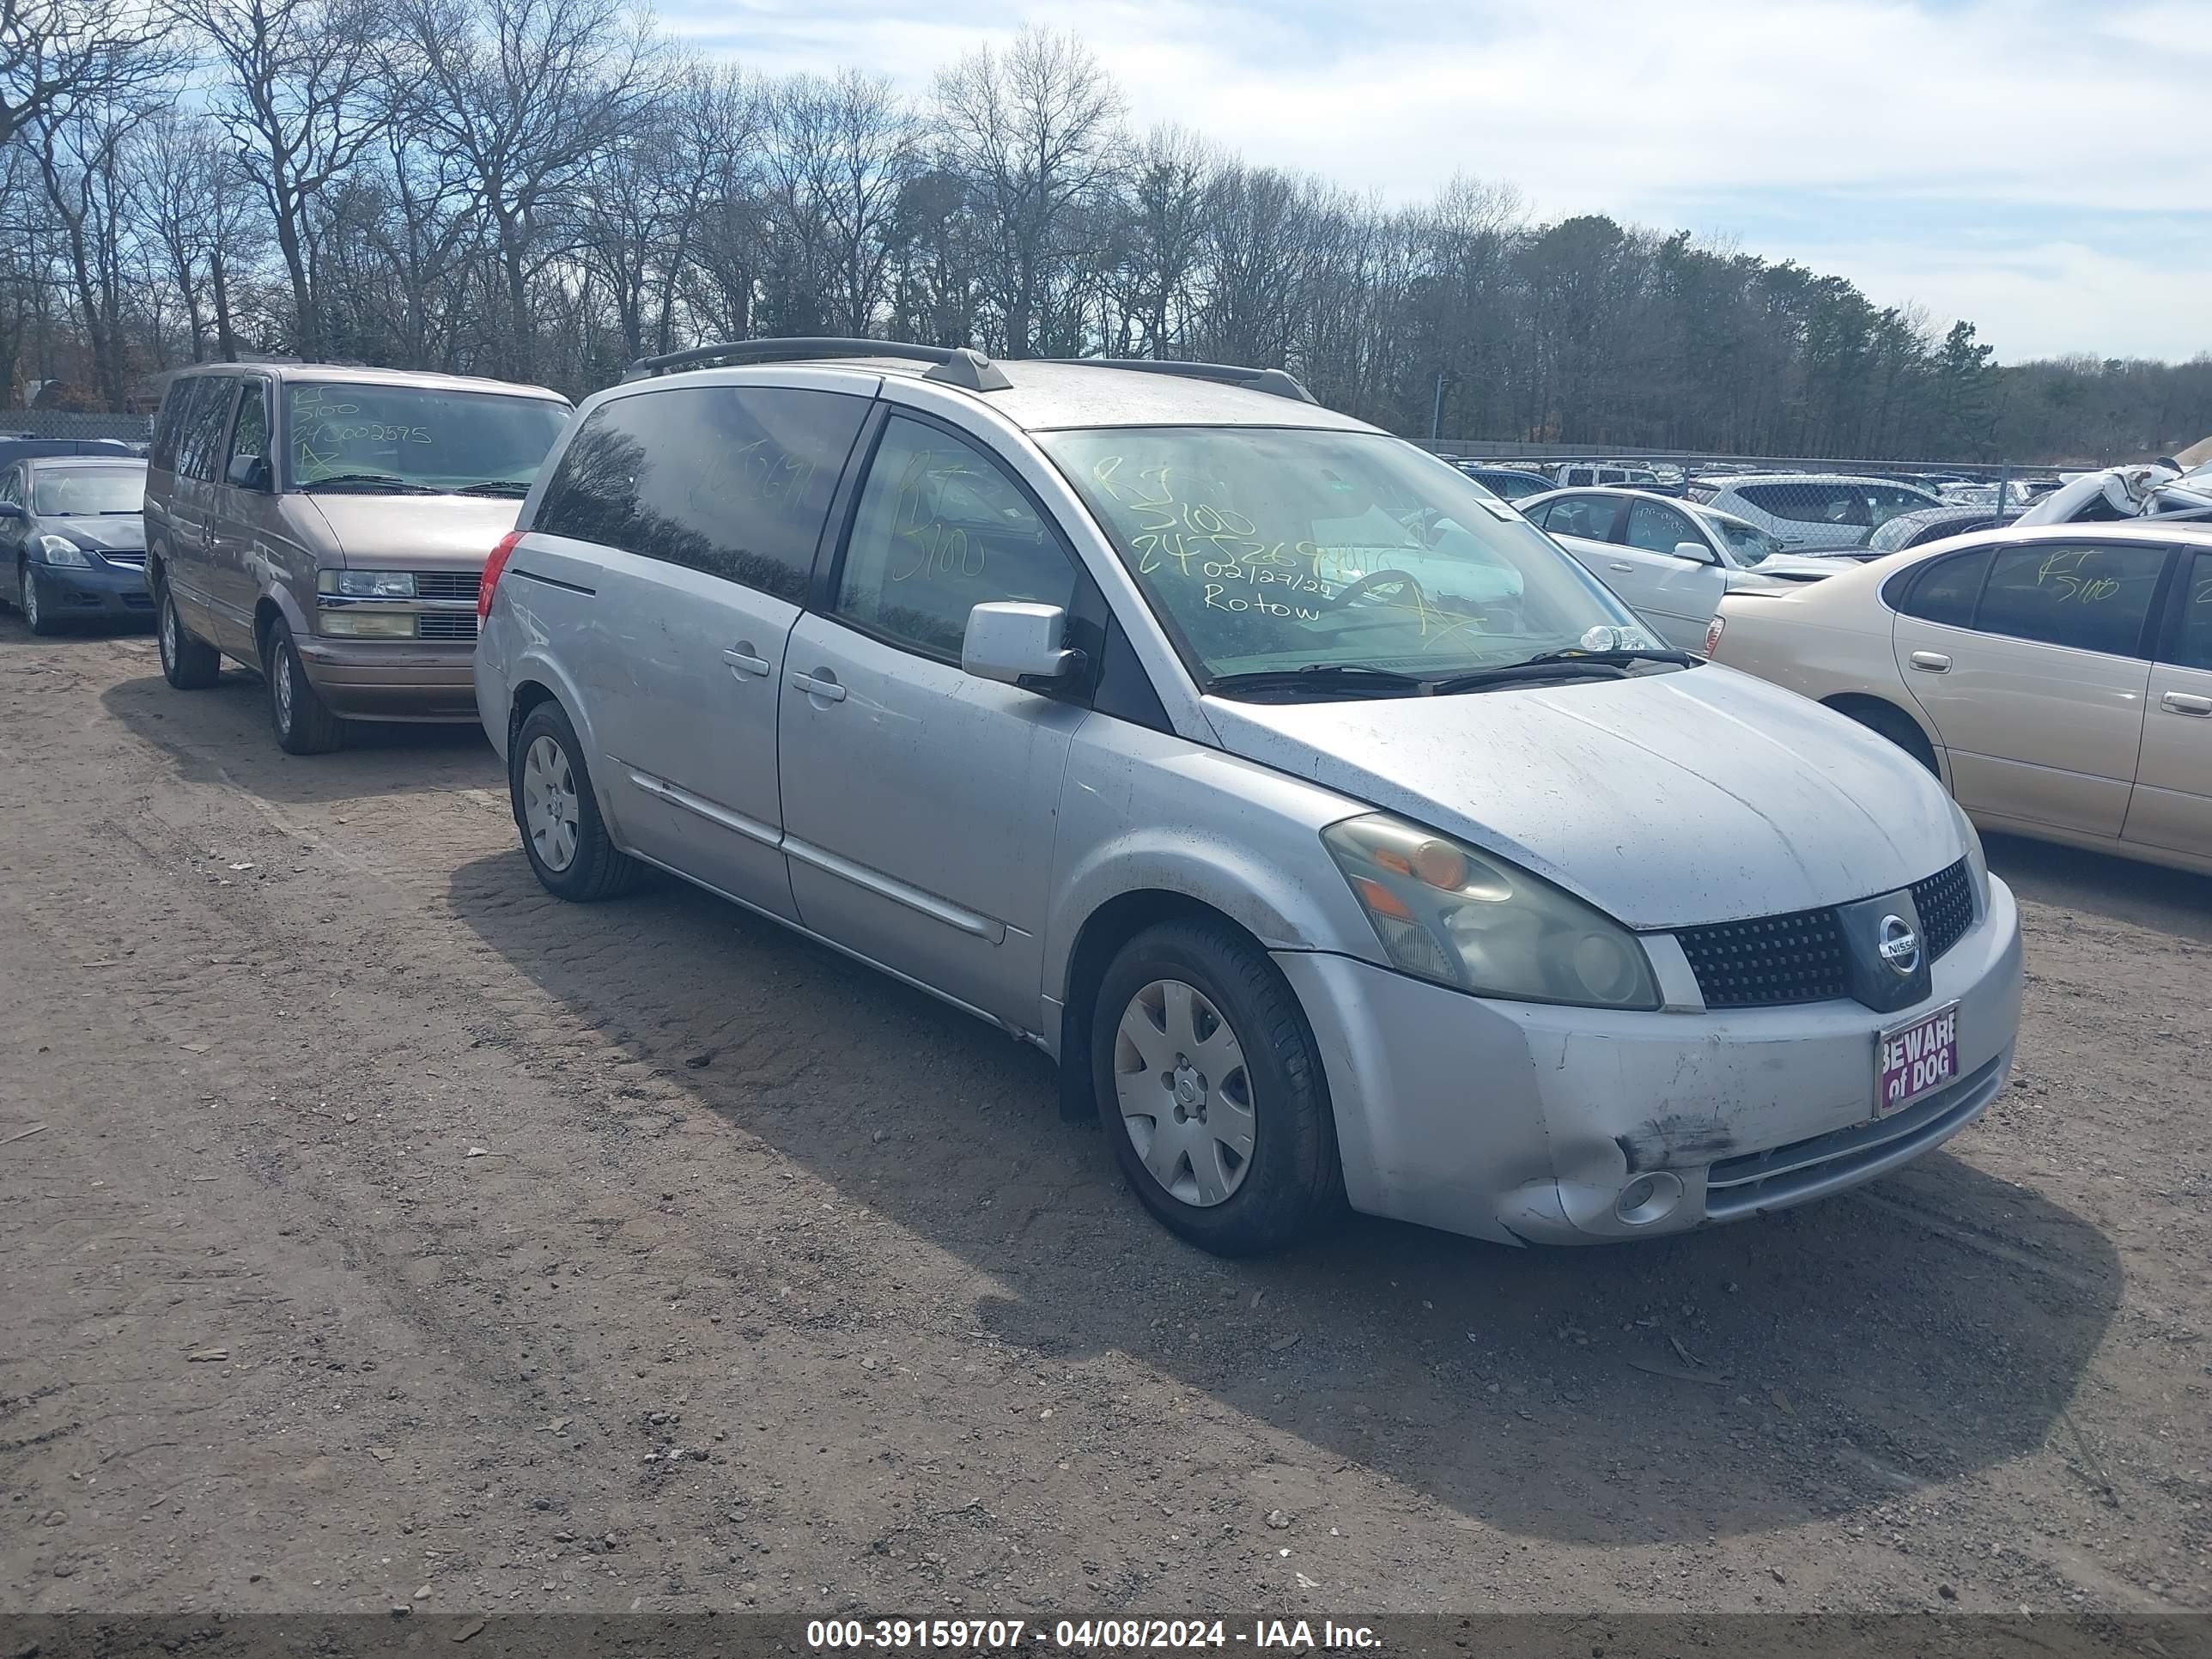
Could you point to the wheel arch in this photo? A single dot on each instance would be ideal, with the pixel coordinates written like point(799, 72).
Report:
point(1871, 709)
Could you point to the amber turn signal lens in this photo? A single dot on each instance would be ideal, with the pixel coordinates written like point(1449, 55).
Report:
point(1441, 865)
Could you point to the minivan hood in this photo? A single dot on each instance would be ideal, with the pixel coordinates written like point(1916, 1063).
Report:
point(411, 533)
point(1667, 800)
point(103, 533)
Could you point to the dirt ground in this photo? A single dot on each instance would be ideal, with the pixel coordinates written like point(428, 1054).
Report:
point(377, 1229)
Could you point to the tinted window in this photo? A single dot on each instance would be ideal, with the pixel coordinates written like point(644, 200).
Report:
point(2087, 597)
point(1947, 589)
point(1590, 517)
point(1656, 529)
point(200, 441)
point(2192, 645)
point(10, 490)
point(734, 481)
point(169, 423)
point(941, 530)
point(1809, 503)
point(250, 436)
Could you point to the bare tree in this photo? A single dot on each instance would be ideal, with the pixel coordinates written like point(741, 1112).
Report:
point(1037, 131)
point(55, 53)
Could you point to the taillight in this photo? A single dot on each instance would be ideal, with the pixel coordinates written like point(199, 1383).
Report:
point(493, 566)
point(1713, 633)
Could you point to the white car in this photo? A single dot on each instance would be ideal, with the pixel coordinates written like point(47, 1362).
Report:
point(1808, 510)
point(2058, 678)
point(1670, 560)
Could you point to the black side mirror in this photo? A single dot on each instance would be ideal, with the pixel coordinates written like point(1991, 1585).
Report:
point(250, 472)
point(9, 510)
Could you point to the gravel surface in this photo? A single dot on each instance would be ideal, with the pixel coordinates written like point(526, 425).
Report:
point(377, 1230)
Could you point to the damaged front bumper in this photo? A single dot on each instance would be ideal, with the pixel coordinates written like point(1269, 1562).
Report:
point(1527, 1123)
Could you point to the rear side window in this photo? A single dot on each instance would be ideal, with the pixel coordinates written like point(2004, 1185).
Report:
point(732, 481)
point(1809, 503)
point(1590, 517)
point(199, 445)
point(1945, 591)
point(169, 423)
point(2084, 597)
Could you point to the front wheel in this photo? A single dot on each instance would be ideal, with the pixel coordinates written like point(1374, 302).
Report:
point(41, 621)
point(303, 722)
point(1209, 1086)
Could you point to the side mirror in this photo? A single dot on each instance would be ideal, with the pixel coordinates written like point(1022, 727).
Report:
point(1012, 641)
point(1696, 551)
point(9, 510)
point(250, 472)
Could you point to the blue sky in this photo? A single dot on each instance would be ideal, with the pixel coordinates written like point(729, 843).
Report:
point(2040, 168)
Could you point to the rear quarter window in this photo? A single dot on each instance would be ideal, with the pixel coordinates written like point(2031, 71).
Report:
point(1942, 591)
point(731, 481)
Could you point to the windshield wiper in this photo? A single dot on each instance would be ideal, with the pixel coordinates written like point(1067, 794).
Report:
point(494, 487)
point(1557, 664)
point(1327, 678)
point(371, 481)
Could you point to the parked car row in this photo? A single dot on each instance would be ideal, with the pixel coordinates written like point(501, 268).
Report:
point(1346, 832)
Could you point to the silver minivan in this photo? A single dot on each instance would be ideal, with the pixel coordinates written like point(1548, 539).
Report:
point(328, 525)
point(1343, 839)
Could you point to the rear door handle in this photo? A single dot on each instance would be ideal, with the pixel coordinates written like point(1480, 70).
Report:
point(2181, 702)
point(828, 690)
point(1931, 662)
point(744, 661)
point(1625, 570)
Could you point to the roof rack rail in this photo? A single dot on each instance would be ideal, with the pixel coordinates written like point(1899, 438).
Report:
point(960, 366)
point(1278, 382)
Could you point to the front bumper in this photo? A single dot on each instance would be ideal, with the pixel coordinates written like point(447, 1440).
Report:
point(392, 679)
point(109, 592)
point(1528, 1123)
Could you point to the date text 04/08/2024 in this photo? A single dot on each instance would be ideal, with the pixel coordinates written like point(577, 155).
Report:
point(1291, 1635)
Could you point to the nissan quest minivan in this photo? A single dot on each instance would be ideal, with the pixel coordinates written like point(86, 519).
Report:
point(1343, 839)
point(328, 526)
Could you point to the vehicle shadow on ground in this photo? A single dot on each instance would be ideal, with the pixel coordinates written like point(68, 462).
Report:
point(2176, 902)
point(1815, 1362)
point(231, 719)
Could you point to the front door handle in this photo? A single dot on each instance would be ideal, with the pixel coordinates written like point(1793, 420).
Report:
point(2181, 702)
point(1931, 662)
point(828, 689)
point(1625, 570)
point(744, 661)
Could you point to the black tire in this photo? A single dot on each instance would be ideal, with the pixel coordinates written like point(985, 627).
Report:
point(596, 868)
point(41, 621)
point(297, 713)
point(188, 663)
point(1292, 1183)
point(1898, 726)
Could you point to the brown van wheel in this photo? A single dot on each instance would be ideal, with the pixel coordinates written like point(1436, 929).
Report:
point(303, 722)
point(186, 663)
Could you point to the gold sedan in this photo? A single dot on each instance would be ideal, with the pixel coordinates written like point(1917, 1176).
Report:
point(2057, 678)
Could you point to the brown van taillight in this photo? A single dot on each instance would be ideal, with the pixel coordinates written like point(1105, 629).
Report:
point(493, 566)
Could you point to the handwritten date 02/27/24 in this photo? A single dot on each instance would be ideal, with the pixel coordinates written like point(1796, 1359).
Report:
point(1087, 1635)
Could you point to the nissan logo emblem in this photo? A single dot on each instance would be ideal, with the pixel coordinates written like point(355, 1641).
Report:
point(1899, 946)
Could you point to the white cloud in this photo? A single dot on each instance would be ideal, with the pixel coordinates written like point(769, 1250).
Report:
point(1709, 112)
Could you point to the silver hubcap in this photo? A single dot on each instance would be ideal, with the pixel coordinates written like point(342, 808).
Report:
point(168, 632)
point(549, 804)
point(30, 599)
point(1185, 1095)
point(285, 669)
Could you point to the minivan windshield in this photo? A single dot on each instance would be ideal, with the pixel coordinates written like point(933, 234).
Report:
point(412, 439)
point(1267, 549)
point(65, 492)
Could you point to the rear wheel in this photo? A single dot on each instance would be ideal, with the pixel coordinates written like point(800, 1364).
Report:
point(303, 722)
point(1898, 726)
point(1210, 1088)
point(562, 834)
point(186, 663)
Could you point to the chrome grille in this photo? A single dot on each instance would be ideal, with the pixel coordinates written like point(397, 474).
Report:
point(134, 561)
point(449, 585)
point(1945, 902)
point(1769, 961)
point(446, 625)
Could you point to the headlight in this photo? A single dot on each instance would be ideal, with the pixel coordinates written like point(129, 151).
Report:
point(1978, 863)
point(367, 584)
point(60, 549)
point(1447, 912)
point(369, 625)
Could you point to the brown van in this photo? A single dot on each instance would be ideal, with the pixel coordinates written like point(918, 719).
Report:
point(328, 526)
